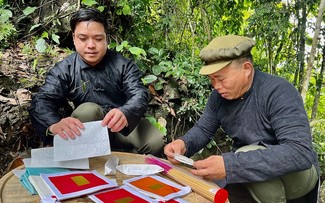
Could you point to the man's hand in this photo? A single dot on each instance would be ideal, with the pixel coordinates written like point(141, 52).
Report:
point(175, 147)
point(115, 120)
point(212, 167)
point(67, 127)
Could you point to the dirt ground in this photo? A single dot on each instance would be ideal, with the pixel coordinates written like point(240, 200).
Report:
point(19, 80)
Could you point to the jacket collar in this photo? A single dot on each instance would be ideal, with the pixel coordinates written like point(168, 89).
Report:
point(83, 65)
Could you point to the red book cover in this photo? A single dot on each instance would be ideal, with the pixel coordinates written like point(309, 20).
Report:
point(122, 194)
point(76, 183)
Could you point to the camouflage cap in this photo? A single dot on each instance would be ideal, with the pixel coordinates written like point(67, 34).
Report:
point(222, 50)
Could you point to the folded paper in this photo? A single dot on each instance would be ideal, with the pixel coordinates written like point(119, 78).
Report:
point(110, 165)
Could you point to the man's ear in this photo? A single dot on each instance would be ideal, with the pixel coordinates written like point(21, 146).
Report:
point(248, 65)
point(73, 38)
point(248, 68)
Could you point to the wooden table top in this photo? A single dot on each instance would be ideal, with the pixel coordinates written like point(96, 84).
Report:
point(11, 190)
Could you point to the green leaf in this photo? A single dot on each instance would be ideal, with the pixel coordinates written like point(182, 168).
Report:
point(149, 79)
point(153, 51)
point(35, 62)
point(158, 86)
point(5, 15)
point(151, 119)
point(156, 70)
point(29, 10)
point(119, 47)
point(137, 51)
point(89, 2)
point(41, 45)
point(56, 38)
point(126, 10)
point(45, 35)
point(101, 8)
point(34, 26)
point(125, 43)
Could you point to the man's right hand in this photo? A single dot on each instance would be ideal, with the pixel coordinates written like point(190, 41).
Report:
point(175, 147)
point(67, 128)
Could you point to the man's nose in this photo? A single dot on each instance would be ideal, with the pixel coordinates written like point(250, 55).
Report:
point(216, 84)
point(90, 43)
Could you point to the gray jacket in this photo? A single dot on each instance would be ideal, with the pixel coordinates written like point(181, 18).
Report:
point(270, 114)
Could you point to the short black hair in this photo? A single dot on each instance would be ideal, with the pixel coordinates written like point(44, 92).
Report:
point(88, 14)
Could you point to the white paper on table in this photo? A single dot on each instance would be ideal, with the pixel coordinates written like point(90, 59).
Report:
point(139, 169)
point(49, 200)
point(18, 172)
point(110, 165)
point(41, 187)
point(92, 142)
point(26, 162)
point(43, 157)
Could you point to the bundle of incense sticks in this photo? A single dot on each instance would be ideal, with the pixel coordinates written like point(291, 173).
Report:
point(208, 190)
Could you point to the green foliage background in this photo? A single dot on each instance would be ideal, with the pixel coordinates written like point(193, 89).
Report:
point(165, 37)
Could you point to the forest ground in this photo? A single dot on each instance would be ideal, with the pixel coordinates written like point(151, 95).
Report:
point(18, 81)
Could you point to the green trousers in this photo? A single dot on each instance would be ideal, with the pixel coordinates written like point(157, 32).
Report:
point(144, 139)
point(288, 187)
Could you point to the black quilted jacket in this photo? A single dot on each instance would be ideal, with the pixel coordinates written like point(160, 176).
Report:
point(113, 83)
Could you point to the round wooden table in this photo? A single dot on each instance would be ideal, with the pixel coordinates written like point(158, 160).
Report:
point(11, 190)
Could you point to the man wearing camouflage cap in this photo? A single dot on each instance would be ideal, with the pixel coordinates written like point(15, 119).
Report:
point(273, 159)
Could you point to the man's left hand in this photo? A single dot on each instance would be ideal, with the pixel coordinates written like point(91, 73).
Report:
point(212, 167)
point(115, 120)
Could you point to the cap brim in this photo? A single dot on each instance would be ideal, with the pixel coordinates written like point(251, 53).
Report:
point(213, 67)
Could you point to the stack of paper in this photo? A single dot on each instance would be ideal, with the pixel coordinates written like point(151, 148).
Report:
point(67, 153)
point(66, 185)
point(74, 153)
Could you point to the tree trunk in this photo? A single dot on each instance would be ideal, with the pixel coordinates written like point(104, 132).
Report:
point(302, 42)
point(313, 51)
point(319, 83)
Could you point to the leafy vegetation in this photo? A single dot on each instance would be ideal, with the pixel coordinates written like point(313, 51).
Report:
point(164, 37)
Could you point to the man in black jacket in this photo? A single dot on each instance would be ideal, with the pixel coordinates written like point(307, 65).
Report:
point(102, 85)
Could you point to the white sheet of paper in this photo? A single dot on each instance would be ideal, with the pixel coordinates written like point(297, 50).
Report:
point(26, 162)
point(139, 169)
point(18, 172)
point(44, 157)
point(92, 142)
point(183, 159)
